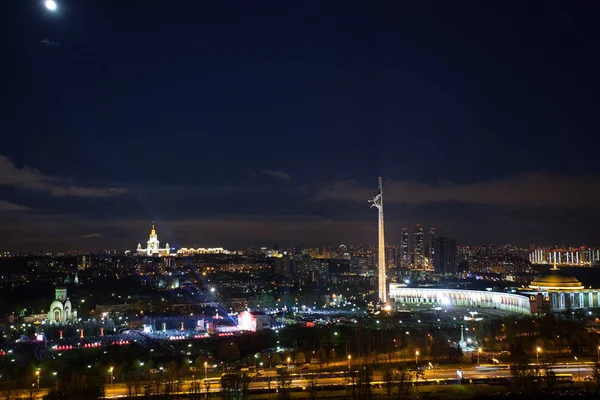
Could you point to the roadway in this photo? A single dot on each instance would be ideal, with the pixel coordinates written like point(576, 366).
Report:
point(471, 372)
point(301, 381)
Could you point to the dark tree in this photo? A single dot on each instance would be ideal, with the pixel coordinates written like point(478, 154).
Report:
point(388, 379)
point(284, 381)
point(365, 378)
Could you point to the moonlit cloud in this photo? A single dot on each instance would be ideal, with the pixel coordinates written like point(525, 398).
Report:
point(531, 188)
point(33, 179)
point(8, 206)
point(277, 174)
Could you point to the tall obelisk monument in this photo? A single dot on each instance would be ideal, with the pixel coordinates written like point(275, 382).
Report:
point(378, 202)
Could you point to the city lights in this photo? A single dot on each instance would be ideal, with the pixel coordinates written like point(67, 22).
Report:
point(188, 186)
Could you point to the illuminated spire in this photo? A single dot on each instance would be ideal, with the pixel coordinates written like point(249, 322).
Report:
point(378, 203)
point(153, 232)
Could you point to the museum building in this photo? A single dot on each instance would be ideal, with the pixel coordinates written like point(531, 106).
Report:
point(554, 291)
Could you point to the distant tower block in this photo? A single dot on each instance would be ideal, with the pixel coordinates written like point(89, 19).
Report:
point(378, 202)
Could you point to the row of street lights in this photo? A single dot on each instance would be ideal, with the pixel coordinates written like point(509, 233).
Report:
point(538, 350)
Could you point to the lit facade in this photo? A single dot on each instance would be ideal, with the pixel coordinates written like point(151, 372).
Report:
point(551, 292)
point(581, 256)
point(191, 251)
point(153, 248)
point(61, 310)
point(562, 292)
point(462, 298)
point(254, 321)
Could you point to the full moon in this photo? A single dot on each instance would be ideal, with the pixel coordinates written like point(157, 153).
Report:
point(50, 5)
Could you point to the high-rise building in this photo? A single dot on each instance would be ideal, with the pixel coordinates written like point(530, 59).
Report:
point(404, 248)
point(359, 265)
point(283, 266)
point(153, 246)
point(84, 262)
point(431, 246)
point(418, 247)
point(445, 256)
point(391, 257)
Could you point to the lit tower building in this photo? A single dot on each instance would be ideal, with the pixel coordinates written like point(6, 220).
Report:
point(378, 202)
point(404, 248)
point(431, 250)
point(419, 249)
point(153, 246)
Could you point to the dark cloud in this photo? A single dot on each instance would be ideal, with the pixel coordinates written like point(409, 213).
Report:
point(61, 232)
point(91, 235)
point(522, 208)
point(531, 188)
point(32, 179)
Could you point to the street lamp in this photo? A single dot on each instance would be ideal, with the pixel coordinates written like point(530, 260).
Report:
point(417, 368)
point(537, 355)
point(478, 353)
point(349, 362)
point(111, 369)
point(288, 362)
point(205, 370)
point(578, 374)
point(37, 373)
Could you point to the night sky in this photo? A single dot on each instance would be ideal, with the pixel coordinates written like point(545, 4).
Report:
point(255, 122)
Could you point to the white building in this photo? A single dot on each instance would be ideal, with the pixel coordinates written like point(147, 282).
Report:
point(153, 248)
point(550, 292)
point(61, 310)
point(184, 251)
point(401, 295)
point(562, 292)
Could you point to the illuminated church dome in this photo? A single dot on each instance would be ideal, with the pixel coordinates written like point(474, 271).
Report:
point(555, 280)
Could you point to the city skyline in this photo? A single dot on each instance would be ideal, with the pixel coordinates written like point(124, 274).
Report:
point(188, 200)
point(239, 125)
